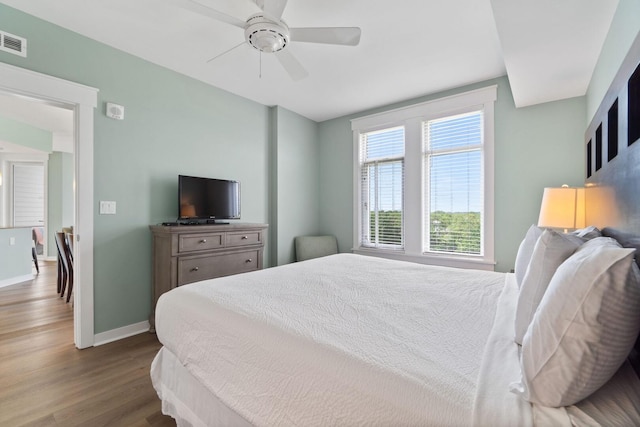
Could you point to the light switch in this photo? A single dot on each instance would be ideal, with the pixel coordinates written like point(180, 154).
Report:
point(12, 241)
point(107, 207)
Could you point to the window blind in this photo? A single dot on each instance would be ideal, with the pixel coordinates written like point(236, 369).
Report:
point(382, 188)
point(453, 161)
point(28, 195)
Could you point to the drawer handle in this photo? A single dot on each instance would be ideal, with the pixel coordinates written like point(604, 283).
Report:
point(244, 237)
point(249, 260)
point(203, 241)
point(195, 269)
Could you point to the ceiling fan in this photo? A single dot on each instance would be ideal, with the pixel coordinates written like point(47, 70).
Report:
point(268, 33)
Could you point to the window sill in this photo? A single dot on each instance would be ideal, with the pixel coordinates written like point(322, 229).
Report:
point(430, 259)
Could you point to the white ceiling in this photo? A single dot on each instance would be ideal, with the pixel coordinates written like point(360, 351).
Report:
point(408, 48)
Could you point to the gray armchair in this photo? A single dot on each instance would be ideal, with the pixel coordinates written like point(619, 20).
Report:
point(308, 247)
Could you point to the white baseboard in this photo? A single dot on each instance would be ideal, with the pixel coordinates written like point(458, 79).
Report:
point(120, 333)
point(15, 280)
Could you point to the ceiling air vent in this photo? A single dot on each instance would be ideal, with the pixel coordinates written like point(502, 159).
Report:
point(13, 44)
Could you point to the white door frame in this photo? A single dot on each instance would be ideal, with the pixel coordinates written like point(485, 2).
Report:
point(83, 99)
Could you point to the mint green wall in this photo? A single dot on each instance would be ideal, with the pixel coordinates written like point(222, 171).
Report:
point(296, 153)
point(54, 199)
point(25, 135)
point(336, 180)
point(67, 189)
point(534, 147)
point(59, 197)
point(625, 27)
point(15, 260)
point(173, 124)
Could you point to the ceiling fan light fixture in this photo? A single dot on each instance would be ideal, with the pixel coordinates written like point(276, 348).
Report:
point(265, 35)
point(267, 32)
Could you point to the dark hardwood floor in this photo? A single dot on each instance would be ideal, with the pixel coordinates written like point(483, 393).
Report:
point(46, 381)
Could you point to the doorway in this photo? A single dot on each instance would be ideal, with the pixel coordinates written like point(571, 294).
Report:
point(82, 100)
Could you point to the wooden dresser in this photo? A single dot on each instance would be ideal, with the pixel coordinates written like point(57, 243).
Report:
point(188, 253)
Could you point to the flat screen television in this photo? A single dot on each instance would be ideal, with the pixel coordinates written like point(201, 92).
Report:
point(207, 199)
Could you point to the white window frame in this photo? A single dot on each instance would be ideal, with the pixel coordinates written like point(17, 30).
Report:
point(412, 117)
point(366, 163)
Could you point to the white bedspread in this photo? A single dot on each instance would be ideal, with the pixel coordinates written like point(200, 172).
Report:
point(494, 406)
point(340, 340)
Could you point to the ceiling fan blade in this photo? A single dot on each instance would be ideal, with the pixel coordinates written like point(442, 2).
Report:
point(291, 64)
point(226, 51)
point(201, 9)
point(273, 8)
point(349, 36)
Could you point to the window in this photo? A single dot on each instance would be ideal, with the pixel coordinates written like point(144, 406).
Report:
point(382, 175)
point(423, 181)
point(28, 194)
point(453, 187)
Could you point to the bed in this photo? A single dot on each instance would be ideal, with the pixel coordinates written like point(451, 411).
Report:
point(339, 338)
point(353, 340)
point(349, 340)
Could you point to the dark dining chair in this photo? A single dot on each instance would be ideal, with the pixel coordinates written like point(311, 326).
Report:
point(36, 249)
point(35, 259)
point(62, 271)
point(37, 234)
point(65, 266)
point(69, 240)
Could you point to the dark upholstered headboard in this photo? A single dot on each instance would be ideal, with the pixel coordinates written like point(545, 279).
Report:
point(612, 143)
point(627, 240)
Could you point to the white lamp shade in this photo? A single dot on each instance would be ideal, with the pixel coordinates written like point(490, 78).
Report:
point(562, 208)
point(581, 208)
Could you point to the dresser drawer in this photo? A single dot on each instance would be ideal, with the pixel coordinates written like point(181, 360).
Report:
point(186, 254)
point(244, 239)
point(200, 242)
point(194, 268)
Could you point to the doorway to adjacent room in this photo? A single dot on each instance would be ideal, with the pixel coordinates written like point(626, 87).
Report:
point(81, 101)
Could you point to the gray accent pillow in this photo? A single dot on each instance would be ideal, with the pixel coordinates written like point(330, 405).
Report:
point(551, 250)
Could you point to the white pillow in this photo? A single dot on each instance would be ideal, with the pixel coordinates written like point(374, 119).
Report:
point(525, 251)
point(585, 326)
point(551, 250)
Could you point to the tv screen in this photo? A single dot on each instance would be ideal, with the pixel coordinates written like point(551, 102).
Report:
point(208, 198)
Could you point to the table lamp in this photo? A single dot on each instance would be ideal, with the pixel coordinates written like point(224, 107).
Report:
point(562, 208)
